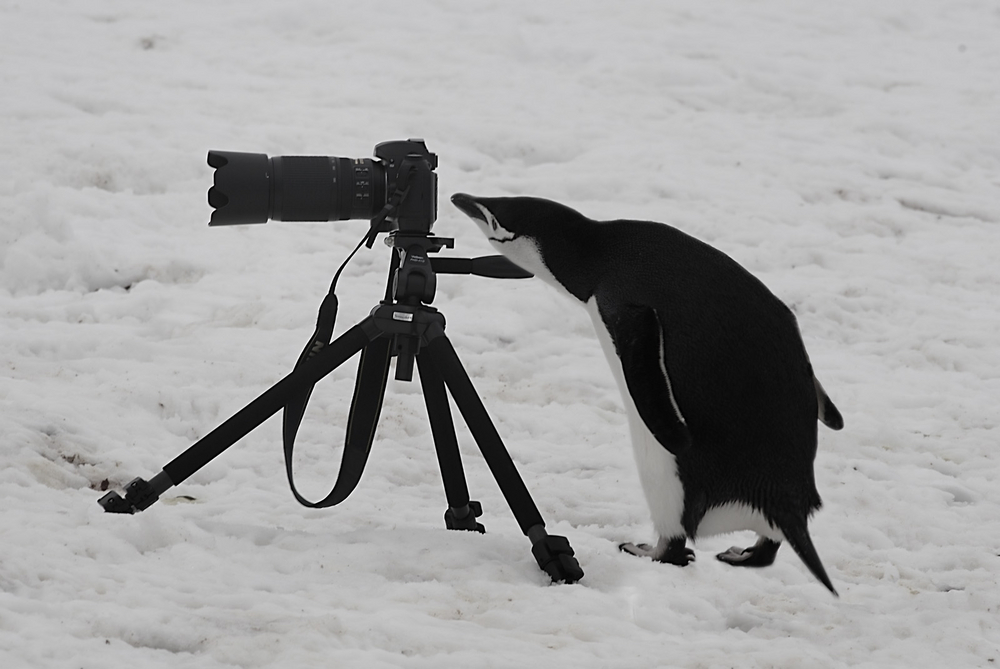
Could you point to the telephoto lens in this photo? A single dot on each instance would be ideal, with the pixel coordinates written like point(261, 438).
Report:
point(252, 188)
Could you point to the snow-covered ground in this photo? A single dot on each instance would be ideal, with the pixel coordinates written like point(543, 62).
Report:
point(847, 153)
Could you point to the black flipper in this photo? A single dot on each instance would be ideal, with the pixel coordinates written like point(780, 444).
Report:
point(638, 338)
point(828, 414)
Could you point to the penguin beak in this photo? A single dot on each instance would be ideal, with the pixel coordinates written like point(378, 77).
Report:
point(468, 205)
point(478, 212)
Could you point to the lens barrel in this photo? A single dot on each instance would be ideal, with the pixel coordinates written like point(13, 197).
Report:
point(252, 188)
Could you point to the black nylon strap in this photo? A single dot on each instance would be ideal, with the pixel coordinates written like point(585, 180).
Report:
point(369, 389)
point(296, 407)
point(373, 371)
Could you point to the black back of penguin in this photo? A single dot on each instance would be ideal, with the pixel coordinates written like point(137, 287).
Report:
point(737, 365)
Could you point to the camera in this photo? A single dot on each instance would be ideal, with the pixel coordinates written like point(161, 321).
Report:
point(252, 188)
point(397, 191)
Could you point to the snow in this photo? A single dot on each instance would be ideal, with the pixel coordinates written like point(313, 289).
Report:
point(846, 153)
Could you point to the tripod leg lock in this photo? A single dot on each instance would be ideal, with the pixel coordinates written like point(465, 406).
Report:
point(555, 556)
point(465, 518)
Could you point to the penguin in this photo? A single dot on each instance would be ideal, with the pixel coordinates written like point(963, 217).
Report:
point(721, 398)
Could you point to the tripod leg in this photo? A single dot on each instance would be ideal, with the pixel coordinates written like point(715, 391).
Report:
point(462, 513)
point(269, 402)
point(553, 553)
point(140, 494)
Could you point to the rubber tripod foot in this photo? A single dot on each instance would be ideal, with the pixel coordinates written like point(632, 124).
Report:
point(467, 521)
point(555, 557)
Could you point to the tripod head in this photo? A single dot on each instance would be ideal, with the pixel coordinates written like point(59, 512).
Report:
point(413, 282)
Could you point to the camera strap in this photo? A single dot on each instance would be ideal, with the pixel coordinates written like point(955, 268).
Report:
point(369, 389)
point(354, 458)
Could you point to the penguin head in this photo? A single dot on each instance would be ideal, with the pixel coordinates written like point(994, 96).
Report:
point(529, 231)
point(480, 210)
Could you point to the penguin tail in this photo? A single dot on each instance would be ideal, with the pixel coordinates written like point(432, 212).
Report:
point(798, 537)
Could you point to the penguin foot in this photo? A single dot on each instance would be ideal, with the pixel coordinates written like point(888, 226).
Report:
point(761, 554)
point(671, 551)
point(638, 550)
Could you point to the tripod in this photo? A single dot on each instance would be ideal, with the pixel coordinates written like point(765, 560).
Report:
point(403, 326)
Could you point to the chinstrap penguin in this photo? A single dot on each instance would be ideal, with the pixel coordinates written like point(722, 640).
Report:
point(721, 398)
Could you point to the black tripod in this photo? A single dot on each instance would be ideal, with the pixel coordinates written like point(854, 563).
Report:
point(405, 327)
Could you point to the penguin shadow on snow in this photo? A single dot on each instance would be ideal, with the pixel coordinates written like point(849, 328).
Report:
point(721, 398)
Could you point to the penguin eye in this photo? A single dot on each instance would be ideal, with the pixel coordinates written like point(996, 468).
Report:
point(494, 221)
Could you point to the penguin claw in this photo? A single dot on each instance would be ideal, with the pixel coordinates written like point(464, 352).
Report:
point(734, 555)
point(682, 557)
point(638, 550)
point(670, 552)
point(760, 554)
